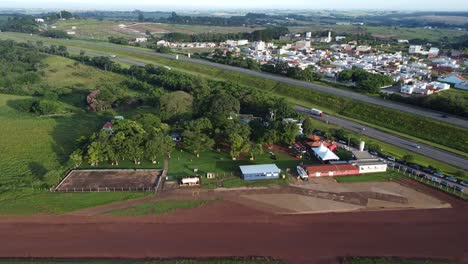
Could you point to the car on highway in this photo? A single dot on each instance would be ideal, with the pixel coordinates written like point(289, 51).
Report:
point(416, 146)
point(363, 129)
point(464, 183)
point(113, 56)
point(452, 179)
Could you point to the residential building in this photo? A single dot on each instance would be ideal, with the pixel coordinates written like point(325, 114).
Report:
point(462, 85)
point(259, 45)
point(140, 40)
point(39, 20)
point(452, 79)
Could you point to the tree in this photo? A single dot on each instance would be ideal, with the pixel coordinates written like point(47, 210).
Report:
point(238, 145)
point(196, 135)
point(176, 104)
point(408, 158)
point(289, 132)
point(255, 149)
point(77, 157)
point(308, 126)
point(153, 146)
point(222, 105)
point(167, 146)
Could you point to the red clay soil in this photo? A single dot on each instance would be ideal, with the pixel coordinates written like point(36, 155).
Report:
point(225, 228)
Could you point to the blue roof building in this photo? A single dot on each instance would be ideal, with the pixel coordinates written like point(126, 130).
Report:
point(260, 172)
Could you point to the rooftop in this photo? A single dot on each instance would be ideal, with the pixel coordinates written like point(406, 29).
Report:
point(260, 168)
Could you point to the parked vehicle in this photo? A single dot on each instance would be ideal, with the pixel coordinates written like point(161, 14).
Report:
point(390, 158)
point(342, 142)
point(452, 179)
point(391, 164)
point(464, 183)
point(428, 170)
point(435, 179)
point(438, 174)
point(444, 183)
point(414, 172)
point(458, 188)
point(415, 166)
point(422, 175)
point(373, 153)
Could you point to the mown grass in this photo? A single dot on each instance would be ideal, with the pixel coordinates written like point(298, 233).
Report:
point(159, 207)
point(372, 177)
point(43, 202)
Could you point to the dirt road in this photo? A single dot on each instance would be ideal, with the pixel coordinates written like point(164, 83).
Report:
point(228, 229)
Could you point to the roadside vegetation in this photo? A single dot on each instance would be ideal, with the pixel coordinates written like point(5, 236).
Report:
point(179, 261)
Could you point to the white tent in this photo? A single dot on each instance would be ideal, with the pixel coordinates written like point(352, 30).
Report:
point(324, 153)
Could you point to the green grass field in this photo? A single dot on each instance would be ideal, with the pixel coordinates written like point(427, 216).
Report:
point(159, 208)
point(43, 202)
point(372, 177)
point(101, 30)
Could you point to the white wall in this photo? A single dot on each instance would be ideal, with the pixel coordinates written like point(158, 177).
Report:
point(372, 168)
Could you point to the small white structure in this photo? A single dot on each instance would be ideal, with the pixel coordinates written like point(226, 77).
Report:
point(140, 40)
point(363, 48)
point(193, 181)
point(73, 27)
point(339, 38)
point(242, 42)
point(71, 32)
point(370, 166)
point(362, 144)
point(403, 41)
point(259, 45)
point(297, 122)
point(323, 153)
point(308, 35)
point(302, 173)
point(39, 20)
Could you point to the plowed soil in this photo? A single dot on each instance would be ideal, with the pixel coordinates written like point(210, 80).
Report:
point(227, 228)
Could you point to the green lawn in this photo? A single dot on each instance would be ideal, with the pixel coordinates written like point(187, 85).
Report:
point(43, 202)
point(372, 177)
point(158, 208)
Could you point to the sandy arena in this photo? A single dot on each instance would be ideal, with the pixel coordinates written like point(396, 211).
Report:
point(111, 180)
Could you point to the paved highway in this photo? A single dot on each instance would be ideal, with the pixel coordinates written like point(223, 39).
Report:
point(431, 152)
point(426, 150)
point(327, 89)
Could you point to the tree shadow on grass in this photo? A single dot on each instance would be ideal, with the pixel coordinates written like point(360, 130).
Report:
point(38, 170)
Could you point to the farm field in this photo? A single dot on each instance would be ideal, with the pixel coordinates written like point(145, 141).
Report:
point(385, 32)
point(101, 30)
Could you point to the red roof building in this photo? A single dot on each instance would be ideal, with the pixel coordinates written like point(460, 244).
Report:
point(331, 170)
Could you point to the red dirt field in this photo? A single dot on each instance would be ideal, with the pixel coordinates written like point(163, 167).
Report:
point(92, 180)
point(226, 228)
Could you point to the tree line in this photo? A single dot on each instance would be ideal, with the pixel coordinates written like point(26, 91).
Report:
point(366, 81)
point(267, 34)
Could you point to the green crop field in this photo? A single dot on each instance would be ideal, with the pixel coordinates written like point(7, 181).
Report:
point(372, 177)
point(385, 32)
point(102, 29)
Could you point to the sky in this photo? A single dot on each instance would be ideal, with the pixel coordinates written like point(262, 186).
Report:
point(442, 5)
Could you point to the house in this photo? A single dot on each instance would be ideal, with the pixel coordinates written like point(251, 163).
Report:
point(259, 46)
point(331, 170)
point(140, 40)
point(463, 85)
point(403, 41)
point(39, 20)
point(259, 172)
point(363, 48)
point(452, 79)
point(370, 166)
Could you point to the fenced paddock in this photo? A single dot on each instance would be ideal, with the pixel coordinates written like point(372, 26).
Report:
point(108, 180)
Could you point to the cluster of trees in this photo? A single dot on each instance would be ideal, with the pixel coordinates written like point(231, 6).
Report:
point(20, 23)
point(137, 140)
point(267, 34)
point(282, 68)
point(445, 102)
point(219, 56)
point(20, 68)
point(365, 81)
point(118, 40)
